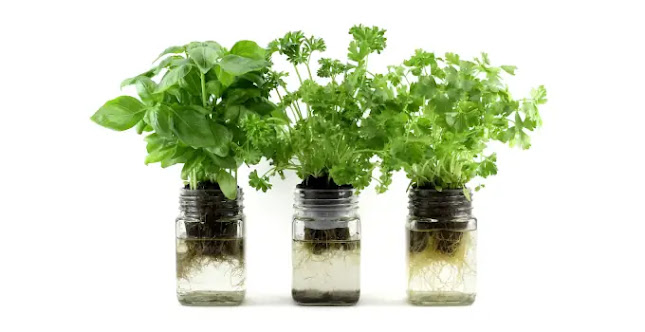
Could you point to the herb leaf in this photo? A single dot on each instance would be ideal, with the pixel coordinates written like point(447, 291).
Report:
point(236, 65)
point(172, 78)
point(192, 128)
point(120, 114)
point(227, 184)
point(204, 55)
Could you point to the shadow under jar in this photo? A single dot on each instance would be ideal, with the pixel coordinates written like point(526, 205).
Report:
point(442, 235)
point(326, 247)
point(210, 247)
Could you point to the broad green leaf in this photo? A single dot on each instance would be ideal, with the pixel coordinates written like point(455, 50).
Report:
point(224, 162)
point(171, 50)
point(262, 106)
point(231, 113)
point(237, 65)
point(223, 139)
point(132, 80)
point(173, 77)
point(146, 88)
point(154, 141)
point(192, 82)
point(225, 78)
point(248, 49)
point(214, 88)
point(281, 114)
point(227, 184)
point(162, 153)
point(209, 43)
point(193, 128)
point(205, 55)
point(200, 109)
point(182, 154)
point(254, 77)
point(120, 114)
point(160, 119)
point(171, 62)
point(241, 95)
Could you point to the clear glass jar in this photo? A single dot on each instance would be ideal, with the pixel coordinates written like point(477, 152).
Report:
point(326, 247)
point(441, 240)
point(210, 248)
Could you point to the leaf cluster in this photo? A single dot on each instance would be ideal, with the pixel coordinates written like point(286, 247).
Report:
point(447, 111)
point(203, 106)
point(326, 138)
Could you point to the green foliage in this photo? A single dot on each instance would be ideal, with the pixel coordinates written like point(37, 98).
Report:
point(204, 107)
point(120, 114)
point(326, 137)
point(447, 111)
point(433, 117)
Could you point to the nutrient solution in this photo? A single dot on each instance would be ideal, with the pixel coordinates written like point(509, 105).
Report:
point(326, 272)
point(205, 276)
point(440, 274)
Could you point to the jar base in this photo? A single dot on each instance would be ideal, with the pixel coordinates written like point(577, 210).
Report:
point(319, 298)
point(206, 298)
point(440, 298)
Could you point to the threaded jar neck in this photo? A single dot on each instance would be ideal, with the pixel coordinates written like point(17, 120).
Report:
point(210, 204)
point(326, 203)
point(442, 205)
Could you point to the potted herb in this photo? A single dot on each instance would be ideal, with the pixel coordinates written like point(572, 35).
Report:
point(453, 109)
point(328, 151)
point(202, 106)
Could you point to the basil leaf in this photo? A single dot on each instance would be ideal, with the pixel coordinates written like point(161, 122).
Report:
point(162, 153)
point(120, 114)
point(223, 139)
point(193, 128)
point(160, 119)
point(237, 65)
point(132, 80)
point(224, 162)
point(248, 49)
point(227, 184)
point(171, 50)
point(172, 78)
point(205, 55)
point(145, 89)
point(225, 78)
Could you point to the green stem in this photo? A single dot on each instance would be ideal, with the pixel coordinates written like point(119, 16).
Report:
point(309, 71)
point(203, 78)
point(298, 73)
point(297, 104)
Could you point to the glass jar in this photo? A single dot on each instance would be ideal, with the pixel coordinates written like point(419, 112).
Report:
point(441, 240)
point(326, 247)
point(210, 248)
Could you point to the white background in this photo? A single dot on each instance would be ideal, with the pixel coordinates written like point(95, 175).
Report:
point(87, 229)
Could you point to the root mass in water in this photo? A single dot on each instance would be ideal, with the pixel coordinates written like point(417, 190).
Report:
point(441, 264)
point(194, 254)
